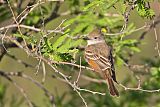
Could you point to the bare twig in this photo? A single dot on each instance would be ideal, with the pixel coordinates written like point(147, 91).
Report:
point(80, 70)
point(126, 15)
point(140, 89)
point(38, 66)
point(44, 72)
point(15, 20)
point(51, 63)
point(156, 37)
point(30, 27)
point(20, 74)
point(66, 79)
point(125, 88)
point(82, 89)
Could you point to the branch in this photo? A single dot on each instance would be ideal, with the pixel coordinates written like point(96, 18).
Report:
point(29, 27)
point(124, 87)
point(54, 14)
point(22, 75)
point(152, 25)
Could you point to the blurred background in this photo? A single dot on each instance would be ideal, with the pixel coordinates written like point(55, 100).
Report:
point(52, 30)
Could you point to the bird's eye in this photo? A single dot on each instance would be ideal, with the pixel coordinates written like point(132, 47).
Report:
point(95, 37)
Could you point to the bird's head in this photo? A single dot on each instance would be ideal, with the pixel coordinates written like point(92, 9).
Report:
point(94, 37)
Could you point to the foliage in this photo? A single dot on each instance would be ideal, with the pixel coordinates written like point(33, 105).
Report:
point(65, 46)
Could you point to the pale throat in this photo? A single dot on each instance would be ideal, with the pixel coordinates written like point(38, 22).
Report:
point(91, 42)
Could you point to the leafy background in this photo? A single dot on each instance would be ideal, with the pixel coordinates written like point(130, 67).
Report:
point(133, 50)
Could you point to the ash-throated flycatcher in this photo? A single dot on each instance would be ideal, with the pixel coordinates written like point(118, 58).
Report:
point(99, 57)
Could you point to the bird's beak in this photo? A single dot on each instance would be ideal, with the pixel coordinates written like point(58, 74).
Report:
point(86, 38)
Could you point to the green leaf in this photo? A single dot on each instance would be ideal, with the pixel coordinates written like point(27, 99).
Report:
point(59, 41)
point(48, 44)
point(119, 61)
point(144, 11)
point(129, 42)
point(65, 47)
point(154, 71)
point(136, 49)
point(22, 36)
point(94, 4)
point(55, 57)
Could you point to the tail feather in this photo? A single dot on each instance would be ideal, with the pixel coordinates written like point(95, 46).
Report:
point(112, 89)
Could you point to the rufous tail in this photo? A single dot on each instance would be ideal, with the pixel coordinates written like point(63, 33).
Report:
point(112, 89)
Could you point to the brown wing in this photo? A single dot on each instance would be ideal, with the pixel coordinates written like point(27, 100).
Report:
point(99, 61)
point(95, 59)
point(112, 67)
point(105, 54)
point(100, 56)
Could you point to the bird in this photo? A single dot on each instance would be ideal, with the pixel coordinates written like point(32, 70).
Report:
point(98, 55)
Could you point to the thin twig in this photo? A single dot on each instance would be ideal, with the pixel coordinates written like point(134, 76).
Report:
point(156, 37)
point(14, 17)
point(80, 70)
point(125, 88)
point(29, 27)
point(38, 66)
point(44, 72)
point(21, 74)
point(140, 89)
